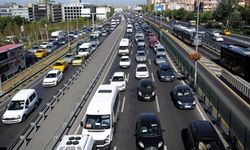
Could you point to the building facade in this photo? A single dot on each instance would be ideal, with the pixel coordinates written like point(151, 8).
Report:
point(71, 11)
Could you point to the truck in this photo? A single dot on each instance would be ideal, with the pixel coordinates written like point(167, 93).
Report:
point(57, 35)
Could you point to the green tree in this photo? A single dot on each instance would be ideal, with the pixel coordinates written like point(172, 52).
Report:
point(206, 16)
point(180, 13)
point(235, 19)
point(245, 13)
point(189, 16)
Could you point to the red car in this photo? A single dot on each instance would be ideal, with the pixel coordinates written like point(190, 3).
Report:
point(152, 42)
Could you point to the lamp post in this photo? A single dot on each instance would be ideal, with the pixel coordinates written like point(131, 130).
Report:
point(196, 44)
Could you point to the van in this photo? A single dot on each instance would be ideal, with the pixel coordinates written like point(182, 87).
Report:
point(20, 106)
point(129, 28)
point(102, 115)
point(79, 142)
point(124, 46)
point(86, 49)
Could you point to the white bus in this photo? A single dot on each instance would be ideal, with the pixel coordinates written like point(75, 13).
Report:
point(102, 115)
point(12, 60)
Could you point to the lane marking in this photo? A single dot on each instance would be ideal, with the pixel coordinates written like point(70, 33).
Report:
point(165, 147)
point(149, 61)
point(147, 52)
point(77, 129)
point(115, 148)
point(128, 77)
point(123, 104)
point(131, 52)
point(157, 104)
point(152, 74)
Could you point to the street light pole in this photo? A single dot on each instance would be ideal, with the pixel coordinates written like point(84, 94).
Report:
point(196, 44)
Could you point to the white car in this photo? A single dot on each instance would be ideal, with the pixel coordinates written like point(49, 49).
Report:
point(119, 80)
point(141, 71)
point(44, 44)
point(218, 38)
point(215, 33)
point(124, 62)
point(52, 78)
point(20, 106)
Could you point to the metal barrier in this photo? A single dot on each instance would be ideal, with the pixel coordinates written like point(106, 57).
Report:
point(232, 127)
point(208, 42)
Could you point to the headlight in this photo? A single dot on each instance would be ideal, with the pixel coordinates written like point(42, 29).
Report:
point(140, 93)
point(162, 76)
point(107, 139)
point(194, 103)
point(141, 144)
point(18, 117)
point(153, 93)
point(160, 144)
point(3, 117)
point(179, 102)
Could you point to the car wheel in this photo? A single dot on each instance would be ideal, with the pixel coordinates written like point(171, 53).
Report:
point(24, 118)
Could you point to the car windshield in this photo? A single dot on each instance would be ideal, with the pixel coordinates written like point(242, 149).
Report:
point(125, 59)
point(160, 50)
point(78, 58)
point(35, 47)
point(117, 78)
point(58, 64)
point(184, 92)
point(51, 75)
point(165, 69)
point(97, 122)
point(149, 130)
point(147, 85)
point(141, 54)
point(141, 69)
point(83, 49)
point(39, 51)
point(16, 105)
point(123, 47)
point(160, 56)
point(68, 55)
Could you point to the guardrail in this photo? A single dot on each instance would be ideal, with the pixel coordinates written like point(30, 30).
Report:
point(234, 130)
point(30, 73)
point(208, 42)
point(27, 134)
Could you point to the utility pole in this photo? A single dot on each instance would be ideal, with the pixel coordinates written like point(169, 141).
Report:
point(196, 44)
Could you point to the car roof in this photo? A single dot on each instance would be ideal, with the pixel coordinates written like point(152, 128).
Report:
point(204, 129)
point(148, 118)
point(146, 81)
point(179, 87)
point(164, 65)
point(125, 57)
point(60, 60)
point(23, 94)
point(118, 74)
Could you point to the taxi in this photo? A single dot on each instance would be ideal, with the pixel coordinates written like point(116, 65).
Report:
point(78, 60)
point(61, 65)
point(226, 32)
point(41, 53)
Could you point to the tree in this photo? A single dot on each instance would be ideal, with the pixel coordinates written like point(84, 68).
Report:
point(189, 16)
point(180, 13)
point(245, 13)
point(225, 9)
point(206, 16)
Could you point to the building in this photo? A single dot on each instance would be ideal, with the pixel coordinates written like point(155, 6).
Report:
point(72, 11)
point(18, 10)
point(56, 12)
point(5, 11)
point(209, 5)
point(178, 5)
point(101, 12)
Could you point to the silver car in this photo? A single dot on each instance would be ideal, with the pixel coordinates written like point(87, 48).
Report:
point(159, 58)
point(140, 56)
point(69, 57)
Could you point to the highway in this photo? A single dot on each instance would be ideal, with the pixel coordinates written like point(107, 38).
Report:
point(172, 119)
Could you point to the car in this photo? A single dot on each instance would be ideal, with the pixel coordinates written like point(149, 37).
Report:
point(140, 48)
point(63, 41)
point(78, 60)
point(61, 65)
point(215, 33)
point(226, 32)
point(50, 48)
point(140, 56)
point(165, 72)
point(146, 90)
point(152, 42)
point(183, 97)
point(104, 33)
point(41, 53)
point(141, 42)
point(160, 49)
point(218, 38)
point(52, 78)
point(159, 58)
point(148, 132)
point(119, 79)
point(124, 62)
point(201, 134)
point(30, 58)
point(20, 106)
point(79, 43)
point(69, 57)
point(141, 71)
point(43, 44)
point(34, 48)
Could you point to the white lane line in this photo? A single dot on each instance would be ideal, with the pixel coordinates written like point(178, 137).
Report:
point(157, 104)
point(115, 148)
point(131, 52)
point(147, 52)
point(149, 61)
point(123, 104)
point(77, 129)
point(128, 77)
point(152, 74)
point(165, 147)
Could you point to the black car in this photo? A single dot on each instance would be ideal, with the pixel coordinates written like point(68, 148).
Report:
point(165, 72)
point(201, 134)
point(148, 132)
point(183, 97)
point(146, 90)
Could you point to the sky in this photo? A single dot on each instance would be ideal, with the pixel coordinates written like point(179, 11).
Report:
point(122, 3)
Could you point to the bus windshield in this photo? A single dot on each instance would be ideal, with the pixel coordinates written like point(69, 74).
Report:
point(97, 122)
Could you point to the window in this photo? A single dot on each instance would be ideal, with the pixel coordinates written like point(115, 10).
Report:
point(116, 104)
point(32, 97)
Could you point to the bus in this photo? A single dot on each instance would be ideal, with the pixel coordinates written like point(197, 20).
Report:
point(101, 116)
point(187, 34)
point(236, 58)
point(12, 60)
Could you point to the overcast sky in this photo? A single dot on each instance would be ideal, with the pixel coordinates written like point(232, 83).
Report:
point(98, 2)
